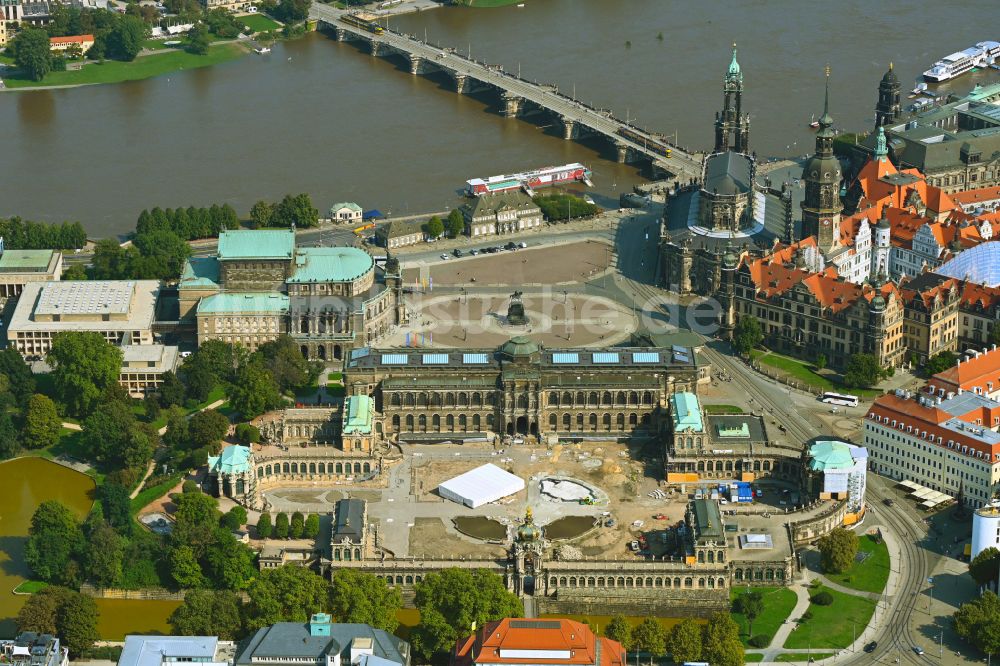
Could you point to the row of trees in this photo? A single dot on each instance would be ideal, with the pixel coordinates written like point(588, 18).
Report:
point(557, 207)
point(717, 641)
point(292, 211)
point(188, 223)
point(157, 255)
point(21, 234)
point(299, 527)
point(453, 225)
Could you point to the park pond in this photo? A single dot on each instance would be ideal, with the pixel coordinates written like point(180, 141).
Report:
point(28, 482)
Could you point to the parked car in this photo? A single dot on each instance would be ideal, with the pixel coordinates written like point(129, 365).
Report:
point(871, 646)
point(634, 546)
point(445, 257)
point(919, 650)
point(522, 244)
point(888, 501)
point(511, 245)
point(457, 252)
point(474, 252)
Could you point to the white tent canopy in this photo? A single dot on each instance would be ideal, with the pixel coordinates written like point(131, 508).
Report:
point(481, 486)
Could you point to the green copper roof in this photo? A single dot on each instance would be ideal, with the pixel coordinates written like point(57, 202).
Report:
point(358, 412)
point(686, 412)
point(881, 150)
point(734, 67)
point(249, 303)
point(252, 244)
point(200, 272)
point(234, 459)
point(520, 345)
point(330, 264)
point(346, 204)
point(25, 260)
point(828, 454)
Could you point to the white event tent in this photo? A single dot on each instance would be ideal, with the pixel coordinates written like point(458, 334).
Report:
point(481, 486)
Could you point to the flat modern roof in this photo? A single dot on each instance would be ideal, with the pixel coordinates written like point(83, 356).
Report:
point(151, 650)
point(13, 261)
point(85, 297)
point(140, 314)
point(256, 244)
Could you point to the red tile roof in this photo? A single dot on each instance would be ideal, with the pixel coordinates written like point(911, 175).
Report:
point(972, 196)
point(982, 372)
point(513, 641)
point(71, 39)
point(909, 413)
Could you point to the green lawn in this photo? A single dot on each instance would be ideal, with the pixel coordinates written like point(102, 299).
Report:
point(113, 71)
point(870, 575)
point(831, 626)
point(147, 495)
point(721, 409)
point(217, 393)
point(259, 22)
point(30, 587)
point(753, 658)
point(805, 373)
point(802, 657)
point(778, 604)
point(157, 44)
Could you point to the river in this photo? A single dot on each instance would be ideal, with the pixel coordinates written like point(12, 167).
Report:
point(326, 118)
point(26, 483)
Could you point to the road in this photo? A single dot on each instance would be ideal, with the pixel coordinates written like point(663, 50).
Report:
point(596, 120)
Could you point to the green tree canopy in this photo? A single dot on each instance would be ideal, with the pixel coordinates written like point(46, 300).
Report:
point(254, 391)
point(684, 641)
point(208, 613)
point(184, 568)
point(364, 598)
point(296, 526)
point(750, 605)
point(747, 334)
point(198, 40)
point(311, 528)
point(42, 424)
point(985, 567)
point(978, 622)
point(452, 600)
point(63, 612)
point(116, 507)
point(650, 636)
point(197, 517)
point(104, 556)
point(721, 644)
point(285, 594)
point(620, 630)
point(940, 362)
point(31, 52)
point(283, 359)
point(84, 367)
point(455, 223)
point(863, 371)
point(281, 526)
point(264, 526)
point(125, 40)
point(21, 382)
point(260, 214)
point(113, 436)
point(207, 428)
point(434, 227)
point(297, 211)
point(54, 540)
point(838, 549)
point(229, 563)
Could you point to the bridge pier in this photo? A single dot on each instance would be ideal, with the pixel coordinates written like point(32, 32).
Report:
point(622, 152)
point(461, 83)
point(374, 46)
point(415, 63)
point(569, 127)
point(512, 105)
point(341, 34)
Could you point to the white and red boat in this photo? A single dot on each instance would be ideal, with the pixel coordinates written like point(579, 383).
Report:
point(529, 180)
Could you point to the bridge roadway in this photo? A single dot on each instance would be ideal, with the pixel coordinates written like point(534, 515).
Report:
point(577, 118)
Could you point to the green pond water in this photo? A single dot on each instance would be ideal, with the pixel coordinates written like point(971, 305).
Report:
point(26, 483)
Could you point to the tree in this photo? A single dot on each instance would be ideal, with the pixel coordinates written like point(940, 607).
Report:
point(254, 391)
point(750, 605)
point(198, 39)
point(260, 214)
point(978, 622)
point(721, 644)
point(620, 630)
point(435, 227)
point(296, 526)
point(281, 526)
point(358, 597)
point(229, 562)
point(247, 433)
point(985, 567)
point(40, 611)
point(208, 613)
point(311, 528)
point(75, 272)
point(199, 382)
point(940, 362)
point(125, 40)
point(84, 366)
point(234, 518)
point(455, 223)
point(161, 256)
point(837, 550)
point(650, 636)
point(221, 359)
point(31, 53)
point(20, 380)
point(171, 390)
point(863, 371)
point(54, 540)
point(113, 436)
point(41, 422)
point(820, 361)
point(116, 507)
point(285, 594)
point(451, 601)
point(747, 334)
point(77, 623)
point(110, 261)
point(207, 428)
point(197, 517)
point(264, 527)
point(283, 359)
point(10, 443)
point(684, 641)
point(184, 568)
point(297, 211)
point(105, 555)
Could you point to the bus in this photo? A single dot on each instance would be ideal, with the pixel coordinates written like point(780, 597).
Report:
point(364, 20)
point(840, 399)
point(654, 146)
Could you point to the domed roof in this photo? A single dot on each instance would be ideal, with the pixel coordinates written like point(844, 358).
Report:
point(822, 169)
point(890, 76)
point(528, 531)
point(519, 346)
point(730, 260)
point(734, 66)
point(878, 303)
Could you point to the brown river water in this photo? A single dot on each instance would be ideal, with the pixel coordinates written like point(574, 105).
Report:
point(328, 119)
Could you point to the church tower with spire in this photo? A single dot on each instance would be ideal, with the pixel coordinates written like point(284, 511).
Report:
point(732, 120)
point(887, 110)
point(821, 206)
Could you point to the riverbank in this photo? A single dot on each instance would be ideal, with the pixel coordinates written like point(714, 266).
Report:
point(114, 71)
point(488, 3)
